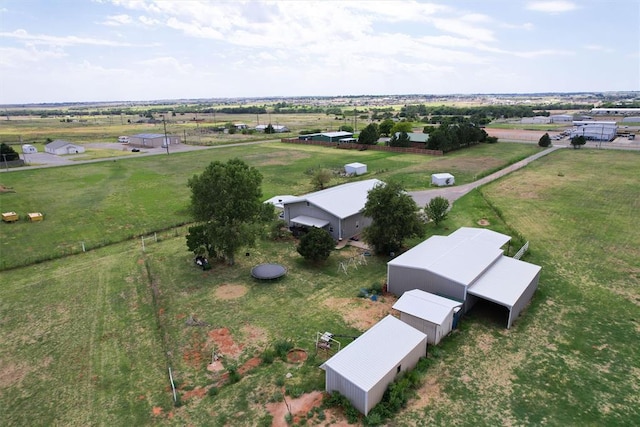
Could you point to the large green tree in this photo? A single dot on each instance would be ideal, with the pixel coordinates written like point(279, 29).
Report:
point(400, 139)
point(226, 203)
point(8, 153)
point(402, 127)
point(395, 217)
point(369, 135)
point(316, 245)
point(385, 127)
point(578, 141)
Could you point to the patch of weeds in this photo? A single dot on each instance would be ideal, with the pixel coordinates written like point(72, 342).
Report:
point(234, 375)
point(294, 391)
point(265, 421)
point(288, 418)
point(213, 391)
point(268, 356)
point(280, 381)
point(281, 349)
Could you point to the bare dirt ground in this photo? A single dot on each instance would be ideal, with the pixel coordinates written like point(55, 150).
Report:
point(362, 313)
point(519, 135)
point(228, 292)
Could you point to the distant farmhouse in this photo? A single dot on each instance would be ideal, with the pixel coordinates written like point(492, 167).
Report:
point(152, 140)
point(466, 266)
point(616, 111)
point(337, 209)
point(60, 147)
point(276, 128)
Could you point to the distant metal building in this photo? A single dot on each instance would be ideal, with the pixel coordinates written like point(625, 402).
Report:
point(363, 370)
point(594, 130)
point(153, 140)
point(60, 147)
point(466, 266)
point(329, 136)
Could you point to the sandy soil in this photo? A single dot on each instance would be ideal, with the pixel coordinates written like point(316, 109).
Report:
point(227, 291)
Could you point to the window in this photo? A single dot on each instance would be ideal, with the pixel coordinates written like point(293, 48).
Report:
point(357, 224)
point(398, 369)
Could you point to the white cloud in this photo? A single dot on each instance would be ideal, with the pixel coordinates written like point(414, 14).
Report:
point(23, 35)
point(18, 58)
point(167, 64)
point(552, 6)
point(117, 20)
point(598, 48)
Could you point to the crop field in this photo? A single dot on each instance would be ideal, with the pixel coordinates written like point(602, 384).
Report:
point(88, 339)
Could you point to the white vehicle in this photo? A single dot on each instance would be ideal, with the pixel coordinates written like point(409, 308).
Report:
point(123, 139)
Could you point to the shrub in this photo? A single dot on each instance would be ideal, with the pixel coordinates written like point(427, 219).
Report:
point(234, 375)
point(213, 391)
point(281, 348)
point(268, 356)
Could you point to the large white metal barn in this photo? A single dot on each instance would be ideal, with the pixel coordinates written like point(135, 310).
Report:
point(465, 266)
point(363, 370)
point(594, 130)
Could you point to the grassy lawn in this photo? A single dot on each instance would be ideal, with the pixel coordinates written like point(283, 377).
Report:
point(87, 339)
point(101, 203)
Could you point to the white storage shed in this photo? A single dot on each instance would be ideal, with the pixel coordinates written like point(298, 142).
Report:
point(428, 313)
point(355, 168)
point(363, 370)
point(442, 179)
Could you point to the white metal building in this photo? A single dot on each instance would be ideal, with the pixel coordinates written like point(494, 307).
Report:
point(467, 262)
point(594, 130)
point(337, 209)
point(153, 140)
point(29, 149)
point(428, 313)
point(616, 111)
point(363, 370)
point(442, 179)
point(355, 168)
point(60, 147)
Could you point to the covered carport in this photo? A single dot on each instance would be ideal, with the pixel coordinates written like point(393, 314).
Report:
point(309, 221)
point(510, 283)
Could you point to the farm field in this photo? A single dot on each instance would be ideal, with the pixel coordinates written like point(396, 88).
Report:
point(87, 339)
point(106, 202)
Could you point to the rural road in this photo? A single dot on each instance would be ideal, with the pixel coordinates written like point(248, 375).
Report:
point(423, 197)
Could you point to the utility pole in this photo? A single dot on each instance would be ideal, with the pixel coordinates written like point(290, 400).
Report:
point(166, 141)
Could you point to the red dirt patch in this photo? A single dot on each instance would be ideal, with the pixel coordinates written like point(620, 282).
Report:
point(299, 407)
point(296, 355)
point(250, 364)
point(194, 355)
point(224, 343)
point(156, 411)
point(196, 392)
point(483, 222)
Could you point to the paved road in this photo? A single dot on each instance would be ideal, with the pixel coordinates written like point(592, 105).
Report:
point(453, 193)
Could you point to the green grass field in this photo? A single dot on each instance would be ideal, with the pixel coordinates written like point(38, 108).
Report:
point(87, 339)
point(101, 203)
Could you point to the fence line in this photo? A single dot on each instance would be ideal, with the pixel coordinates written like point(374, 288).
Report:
point(522, 250)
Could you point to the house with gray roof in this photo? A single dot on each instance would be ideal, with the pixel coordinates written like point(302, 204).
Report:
point(60, 147)
point(466, 266)
point(329, 136)
point(337, 209)
point(363, 370)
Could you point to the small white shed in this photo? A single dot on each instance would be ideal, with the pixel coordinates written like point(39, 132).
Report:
point(60, 147)
point(428, 313)
point(355, 168)
point(29, 149)
point(442, 179)
point(363, 370)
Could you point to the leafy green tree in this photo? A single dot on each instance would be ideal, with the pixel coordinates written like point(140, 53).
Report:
point(346, 128)
point(402, 127)
point(316, 245)
point(369, 135)
point(395, 217)
point(269, 129)
point(545, 140)
point(437, 209)
point(385, 127)
point(226, 203)
point(320, 178)
point(578, 141)
point(8, 153)
point(400, 139)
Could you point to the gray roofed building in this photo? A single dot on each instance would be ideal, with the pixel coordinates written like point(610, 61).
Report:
point(339, 208)
point(452, 266)
point(60, 147)
point(363, 370)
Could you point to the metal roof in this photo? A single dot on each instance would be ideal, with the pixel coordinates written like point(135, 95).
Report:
point(310, 221)
point(441, 175)
point(149, 135)
point(426, 305)
point(460, 260)
point(355, 165)
point(481, 234)
point(342, 200)
point(335, 134)
point(375, 353)
point(59, 143)
point(279, 201)
point(505, 282)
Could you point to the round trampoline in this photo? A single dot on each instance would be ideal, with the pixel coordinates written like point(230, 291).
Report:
point(268, 271)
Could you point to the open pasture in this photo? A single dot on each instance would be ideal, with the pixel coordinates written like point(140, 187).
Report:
point(101, 203)
point(87, 339)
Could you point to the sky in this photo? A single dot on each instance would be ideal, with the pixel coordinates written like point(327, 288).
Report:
point(138, 50)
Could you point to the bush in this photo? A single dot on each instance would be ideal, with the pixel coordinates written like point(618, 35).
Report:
point(213, 391)
point(282, 348)
point(316, 245)
point(268, 356)
point(234, 375)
